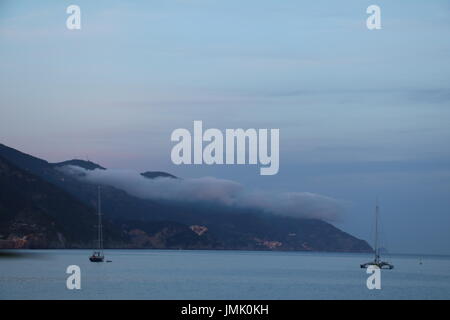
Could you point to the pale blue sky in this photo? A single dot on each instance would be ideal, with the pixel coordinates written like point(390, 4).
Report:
point(361, 113)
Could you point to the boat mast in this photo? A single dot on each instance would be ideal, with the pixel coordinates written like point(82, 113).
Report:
point(100, 231)
point(377, 255)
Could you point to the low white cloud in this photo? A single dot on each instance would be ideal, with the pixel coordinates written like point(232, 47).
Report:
point(209, 190)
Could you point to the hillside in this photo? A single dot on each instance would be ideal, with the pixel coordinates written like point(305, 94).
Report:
point(37, 214)
point(147, 223)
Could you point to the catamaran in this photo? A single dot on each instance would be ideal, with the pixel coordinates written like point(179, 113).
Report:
point(377, 260)
point(97, 255)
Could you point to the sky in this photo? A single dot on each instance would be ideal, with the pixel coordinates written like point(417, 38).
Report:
point(363, 114)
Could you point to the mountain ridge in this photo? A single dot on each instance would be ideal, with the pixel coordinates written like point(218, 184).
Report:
point(189, 226)
point(85, 164)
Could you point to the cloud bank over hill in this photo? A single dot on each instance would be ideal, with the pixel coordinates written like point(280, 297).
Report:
point(210, 190)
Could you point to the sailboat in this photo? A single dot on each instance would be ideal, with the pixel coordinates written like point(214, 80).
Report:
point(97, 255)
point(377, 260)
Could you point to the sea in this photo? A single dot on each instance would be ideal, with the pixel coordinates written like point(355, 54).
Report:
point(199, 274)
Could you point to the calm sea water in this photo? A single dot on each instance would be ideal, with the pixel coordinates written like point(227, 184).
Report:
point(164, 274)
